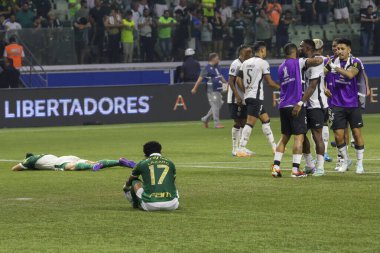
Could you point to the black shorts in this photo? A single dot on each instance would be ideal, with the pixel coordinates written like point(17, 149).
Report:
point(255, 107)
point(238, 112)
point(341, 116)
point(315, 118)
point(293, 125)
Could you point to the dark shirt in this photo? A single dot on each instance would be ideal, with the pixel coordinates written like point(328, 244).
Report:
point(98, 15)
point(238, 29)
point(190, 69)
point(367, 25)
point(217, 29)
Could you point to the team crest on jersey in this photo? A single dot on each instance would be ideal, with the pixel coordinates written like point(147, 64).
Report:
point(232, 70)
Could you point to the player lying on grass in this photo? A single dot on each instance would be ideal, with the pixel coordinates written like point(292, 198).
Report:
point(158, 190)
point(52, 162)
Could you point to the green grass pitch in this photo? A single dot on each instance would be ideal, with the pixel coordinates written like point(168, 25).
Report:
point(227, 204)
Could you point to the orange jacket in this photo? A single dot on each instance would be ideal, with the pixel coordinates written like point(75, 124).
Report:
point(16, 53)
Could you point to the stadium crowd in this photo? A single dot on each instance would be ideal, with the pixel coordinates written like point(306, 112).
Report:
point(112, 31)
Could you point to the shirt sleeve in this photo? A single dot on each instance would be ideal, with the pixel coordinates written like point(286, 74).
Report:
point(265, 68)
point(358, 64)
point(316, 72)
point(302, 62)
point(136, 172)
point(203, 73)
point(234, 69)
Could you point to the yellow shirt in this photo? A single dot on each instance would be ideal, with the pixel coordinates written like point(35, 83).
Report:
point(209, 10)
point(127, 32)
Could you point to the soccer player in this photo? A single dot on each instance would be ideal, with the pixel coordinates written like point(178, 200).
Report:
point(52, 162)
point(252, 73)
point(238, 109)
point(325, 130)
point(211, 75)
point(347, 71)
point(292, 112)
point(157, 191)
point(315, 107)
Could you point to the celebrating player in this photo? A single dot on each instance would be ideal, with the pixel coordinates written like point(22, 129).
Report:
point(238, 109)
point(52, 162)
point(252, 73)
point(292, 112)
point(316, 106)
point(347, 72)
point(158, 190)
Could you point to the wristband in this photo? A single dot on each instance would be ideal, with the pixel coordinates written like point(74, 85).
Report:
point(328, 67)
point(300, 103)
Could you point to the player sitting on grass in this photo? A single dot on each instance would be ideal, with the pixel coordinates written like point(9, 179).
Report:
point(52, 162)
point(158, 190)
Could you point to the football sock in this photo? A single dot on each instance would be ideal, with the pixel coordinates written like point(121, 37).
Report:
point(269, 134)
point(296, 162)
point(277, 159)
point(320, 161)
point(342, 149)
point(109, 163)
point(325, 136)
point(359, 154)
point(309, 160)
point(235, 137)
point(83, 166)
point(245, 135)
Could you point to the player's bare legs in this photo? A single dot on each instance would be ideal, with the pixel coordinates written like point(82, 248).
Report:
point(246, 133)
point(320, 150)
point(359, 147)
point(265, 120)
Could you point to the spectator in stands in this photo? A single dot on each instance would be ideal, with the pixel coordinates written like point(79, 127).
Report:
point(38, 22)
point(195, 28)
point(97, 15)
point(341, 11)
point(90, 4)
point(282, 34)
point(181, 6)
point(12, 25)
point(376, 41)
point(367, 20)
point(190, 67)
point(6, 8)
point(364, 5)
point(322, 11)
point(146, 25)
point(249, 15)
point(165, 24)
point(15, 52)
point(286, 5)
point(181, 35)
point(113, 23)
point(53, 21)
point(2, 23)
point(127, 37)
point(43, 8)
point(238, 28)
point(217, 33)
point(9, 76)
point(274, 11)
point(159, 7)
point(74, 6)
point(264, 30)
point(305, 8)
point(143, 4)
point(81, 30)
point(236, 4)
point(121, 5)
point(83, 12)
point(25, 16)
point(208, 8)
point(225, 11)
point(206, 37)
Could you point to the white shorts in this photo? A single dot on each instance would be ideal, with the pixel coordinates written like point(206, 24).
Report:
point(68, 159)
point(157, 206)
point(46, 162)
point(341, 13)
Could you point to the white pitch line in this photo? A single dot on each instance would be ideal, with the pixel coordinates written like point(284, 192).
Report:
point(261, 169)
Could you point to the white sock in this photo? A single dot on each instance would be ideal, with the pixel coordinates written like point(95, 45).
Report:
point(296, 160)
point(309, 160)
point(278, 157)
point(246, 133)
point(235, 138)
point(359, 156)
point(269, 134)
point(326, 137)
point(320, 162)
point(343, 152)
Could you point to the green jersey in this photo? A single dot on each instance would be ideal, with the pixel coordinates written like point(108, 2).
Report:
point(30, 162)
point(158, 174)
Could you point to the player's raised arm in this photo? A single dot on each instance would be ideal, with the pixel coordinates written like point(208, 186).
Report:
point(313, 62)
point(350, 73)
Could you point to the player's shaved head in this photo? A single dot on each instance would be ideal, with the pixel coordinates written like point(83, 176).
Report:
point(152, 147)
point(290, 49)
